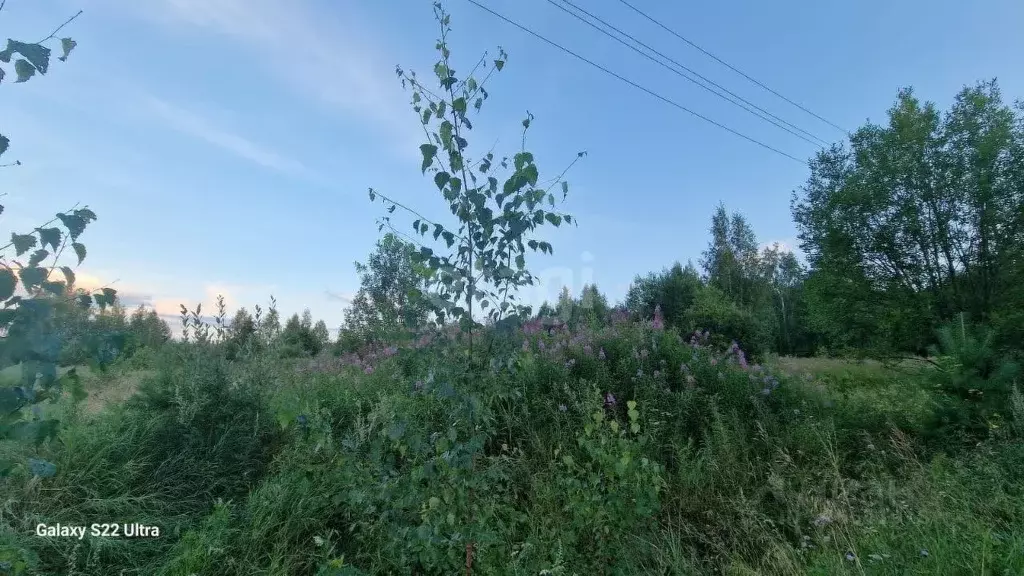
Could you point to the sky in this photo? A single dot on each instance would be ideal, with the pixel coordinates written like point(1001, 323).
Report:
point(227, 146)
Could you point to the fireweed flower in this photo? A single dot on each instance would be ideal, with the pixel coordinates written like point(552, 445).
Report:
point(659, 321)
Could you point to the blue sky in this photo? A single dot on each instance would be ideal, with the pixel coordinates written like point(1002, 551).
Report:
point(227, 145)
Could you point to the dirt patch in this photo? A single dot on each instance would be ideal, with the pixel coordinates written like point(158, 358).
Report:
point(113, 389)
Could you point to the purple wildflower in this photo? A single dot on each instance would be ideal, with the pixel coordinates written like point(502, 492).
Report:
point(587, 348)
point(657, 373)
point(562, 408)
point(368, 370)
point(643, 353)
point(659, 321)
point(601, 354)
point(570, 363)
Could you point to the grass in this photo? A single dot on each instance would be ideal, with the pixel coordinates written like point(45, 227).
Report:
point(261, 467)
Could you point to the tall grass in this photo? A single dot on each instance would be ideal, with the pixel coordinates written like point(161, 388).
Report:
point(621, 450)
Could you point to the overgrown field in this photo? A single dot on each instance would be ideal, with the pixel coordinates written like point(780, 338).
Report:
point(704, 425)
point(625, 449)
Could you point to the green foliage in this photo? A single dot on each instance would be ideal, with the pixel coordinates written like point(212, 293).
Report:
point(486, 259)
point(674, 290)
point(28, 59)
point(977, 382)
point(917, 221)
point(390, 301)
point(35, 334)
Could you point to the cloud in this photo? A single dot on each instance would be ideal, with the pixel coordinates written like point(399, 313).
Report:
point(196, 126)
point(313, 53)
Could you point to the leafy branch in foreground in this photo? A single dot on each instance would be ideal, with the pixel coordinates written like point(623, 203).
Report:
point(497, 222)
point(31, 292)
point(29, 58)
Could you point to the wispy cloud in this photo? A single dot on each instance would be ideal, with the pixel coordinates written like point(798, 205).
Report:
point(314, 53)
point(192, 124)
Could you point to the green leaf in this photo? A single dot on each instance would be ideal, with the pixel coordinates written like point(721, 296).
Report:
point(499, 64)
point(446, 133)
point(8, 282)
point(84, 300)
point(424, 227)
point(428, 151)
point(32, 277)
point(459, 105)
point(75, 224)
point(69, 275)
point(42, 468)
point(532, 244)
point(49, 236)
point(110, 294)
point(37, 54)
point(555, 219)
point(565, 189)
point(449, 238)
point(22, 242)
point(24, 70)
point(10, 400)
point(36, 432)
point(37, 257)
point(441, 179)
point(5, 142)
point(438, 229)
point(79, 251)
point(66, 46)
point(373, 195)
point(55, 288)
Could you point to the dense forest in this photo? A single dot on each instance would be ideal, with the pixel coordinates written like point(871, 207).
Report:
point(853, 410)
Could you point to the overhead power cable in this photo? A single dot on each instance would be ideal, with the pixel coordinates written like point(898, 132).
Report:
point(701, 80)
point(664, 99)
point(733, 68)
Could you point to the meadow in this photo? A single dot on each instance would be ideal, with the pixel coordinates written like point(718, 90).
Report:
point(856, 412)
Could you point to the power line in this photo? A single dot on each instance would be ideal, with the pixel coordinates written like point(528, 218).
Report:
point(731, 67)
point(735, 99)
point(668, 101)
